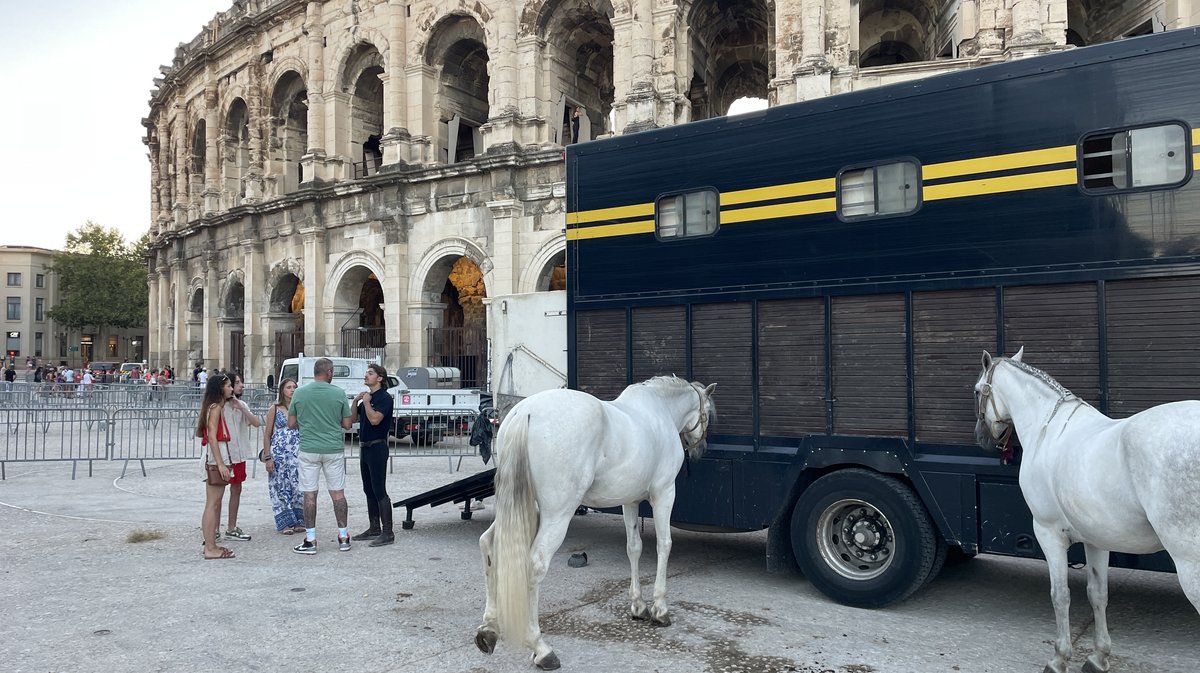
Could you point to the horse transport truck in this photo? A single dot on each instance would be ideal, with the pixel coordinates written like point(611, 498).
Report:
point(838, 267)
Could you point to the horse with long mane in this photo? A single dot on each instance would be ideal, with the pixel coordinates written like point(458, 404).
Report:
point(1126, 485)
point(562, 448)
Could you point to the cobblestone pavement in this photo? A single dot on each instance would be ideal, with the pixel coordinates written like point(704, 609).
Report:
point(76, 595)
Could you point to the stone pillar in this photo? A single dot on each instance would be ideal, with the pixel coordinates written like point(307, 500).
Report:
point(254, 108)
point(179, 325)
point(182, 165)
point(671, 99)
point(154, 319)
point(315, 341)
point(213, 134)
point(789, 50)
point(1179, 13)
point(500, 133)
point(395, 85)
point(622, 26)
point(813, 76)
point(314, 158)
point(1027, 36)
point(254, 270)
point(641, 102)
point(395, 285)
point(422, 122)
point(212, 310)
point(505, 253)
point(422, 314)
point(988, 38)
point(340, 150)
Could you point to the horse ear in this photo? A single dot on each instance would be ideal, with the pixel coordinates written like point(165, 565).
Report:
point(987, 360)
point(709, 390)
point(1020, 352)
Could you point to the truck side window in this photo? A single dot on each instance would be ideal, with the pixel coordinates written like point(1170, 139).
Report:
point(1151, 156)
point(887, 189)
point(687, 215)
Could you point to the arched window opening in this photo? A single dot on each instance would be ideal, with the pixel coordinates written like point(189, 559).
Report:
point(554, 275)
point(236, 162)
point(888, 53)
point(579, 40)
point(363, 331)
point(198, 149)
point(892, 32)
point(361, 80)
point(289, 132)
point(461, 338)
point(457, 51)
point(732, 54)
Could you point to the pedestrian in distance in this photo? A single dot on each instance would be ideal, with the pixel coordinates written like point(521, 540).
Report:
point(211, 426)
point(281, 454)
point(374, 407)
point(322, 413)
point(237, 416)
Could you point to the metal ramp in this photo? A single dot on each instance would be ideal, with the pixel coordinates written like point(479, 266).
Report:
point(475, 487)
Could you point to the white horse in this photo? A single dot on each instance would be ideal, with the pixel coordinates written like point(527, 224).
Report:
point(1130, 485)
point(560, 448)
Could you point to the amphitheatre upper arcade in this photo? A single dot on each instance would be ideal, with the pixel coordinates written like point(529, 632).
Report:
point(355, 176)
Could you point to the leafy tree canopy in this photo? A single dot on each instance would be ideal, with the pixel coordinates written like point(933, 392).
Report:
point(101, 280)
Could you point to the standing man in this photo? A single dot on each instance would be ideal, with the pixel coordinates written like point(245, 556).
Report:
point(322, 413)
point(374, 424)
point(237, 416)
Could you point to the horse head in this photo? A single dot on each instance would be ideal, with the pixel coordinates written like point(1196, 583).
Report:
point(993, 420)
point(695, 433)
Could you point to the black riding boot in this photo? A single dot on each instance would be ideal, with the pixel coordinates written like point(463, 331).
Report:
point(373, 515)
point(386, 536)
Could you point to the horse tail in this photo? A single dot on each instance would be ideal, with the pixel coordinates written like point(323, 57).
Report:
point(516, 525)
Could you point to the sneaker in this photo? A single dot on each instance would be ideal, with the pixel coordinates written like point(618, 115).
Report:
point(343, 544)
point(306, 547)
point(236, 534)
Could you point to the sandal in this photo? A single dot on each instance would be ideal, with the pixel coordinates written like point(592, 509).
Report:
point(225, 553)
point(287, 531)
point(299, 529)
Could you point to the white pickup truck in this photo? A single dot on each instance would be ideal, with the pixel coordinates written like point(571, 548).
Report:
point(427, 413)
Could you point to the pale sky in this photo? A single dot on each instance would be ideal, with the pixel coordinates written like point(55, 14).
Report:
point(75, 80)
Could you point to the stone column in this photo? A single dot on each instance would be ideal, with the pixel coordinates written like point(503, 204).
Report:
point(789, 50)
point(213, 134)
point(1180, 13)
point(340, 151)
point(500, 132)
point(182, 164)
point(622, 26)
point(315, 341)
point(154, 319)
point(671, 98)
point(314, 158)
point(422, 122)
point(395, 85)
point(988, 38)
point(505, 254)
point(641, 101)
point(254, 108)
point(1027, 36)
point(395, 294)
point(212, 310)
point(255, 289)
point(179, 324)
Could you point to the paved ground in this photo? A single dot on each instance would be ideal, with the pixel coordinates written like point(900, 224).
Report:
point(76, 596)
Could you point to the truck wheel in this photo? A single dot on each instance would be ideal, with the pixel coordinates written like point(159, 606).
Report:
point(424, 438)
point(862, 538)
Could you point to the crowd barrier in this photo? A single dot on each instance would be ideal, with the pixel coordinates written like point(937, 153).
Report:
point(69, 429)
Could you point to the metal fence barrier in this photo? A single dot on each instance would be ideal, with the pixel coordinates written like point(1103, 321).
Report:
point(76, 429)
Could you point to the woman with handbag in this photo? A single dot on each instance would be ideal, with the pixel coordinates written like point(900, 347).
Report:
point(280, 452)
point(211, 426)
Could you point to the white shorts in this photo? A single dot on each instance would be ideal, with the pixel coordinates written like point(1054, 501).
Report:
point(313, 464)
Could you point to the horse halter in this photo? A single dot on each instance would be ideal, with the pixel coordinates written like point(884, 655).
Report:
point(983, 397)
point(701, 423)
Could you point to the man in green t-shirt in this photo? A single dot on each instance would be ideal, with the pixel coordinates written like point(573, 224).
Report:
point(322, 413)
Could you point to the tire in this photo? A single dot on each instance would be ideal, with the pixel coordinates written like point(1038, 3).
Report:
point(426, 438)
point(892, 552)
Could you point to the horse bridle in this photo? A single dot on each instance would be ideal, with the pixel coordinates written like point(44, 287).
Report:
point(701, 422)
point(984, 395)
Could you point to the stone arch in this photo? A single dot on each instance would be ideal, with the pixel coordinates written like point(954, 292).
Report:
point(425, 278)
point(732, 53)
point(457, 50)
point(347, 53)
point(359, 77)
point(281, 67)
point(195, 296)
point(334, 295)
point(434, 20)
point(891, 32)
point(235, 150)
point(289, 128)
point(233, 295)
point(284, 280)
point(535, 274)
point(198, 146)
point(578, 38)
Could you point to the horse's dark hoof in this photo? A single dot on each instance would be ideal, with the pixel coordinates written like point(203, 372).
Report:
point(486, 641)
point(640, 616)
point(665, 620)
point(1089, 667)
point(548, 663)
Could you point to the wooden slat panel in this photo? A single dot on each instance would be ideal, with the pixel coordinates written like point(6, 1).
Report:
point(1153, 327)
point(659, 342)
point(1058, 326)
point(791, 367)
point(950, 332)
point(721, 339)
point(600, 352)
point(870, 386)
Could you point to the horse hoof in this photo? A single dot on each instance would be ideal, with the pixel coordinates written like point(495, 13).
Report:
point(665, 620)
point(485, 640)
point(548, 663)
point(1089, 667)
point(639, 615)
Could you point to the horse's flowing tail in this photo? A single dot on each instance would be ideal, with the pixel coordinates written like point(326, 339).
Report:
point(516, 525)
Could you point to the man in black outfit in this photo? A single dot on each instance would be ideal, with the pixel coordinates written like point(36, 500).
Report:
point(374, 424)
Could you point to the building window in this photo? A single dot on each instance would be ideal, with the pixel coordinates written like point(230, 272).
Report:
point(37, 344)
point(39, 280)
point(1151, 156)
point(687, 215)
point(14, 308)
point(14, 279)
point(39, 309)
point(112, 346)
point(880, 190)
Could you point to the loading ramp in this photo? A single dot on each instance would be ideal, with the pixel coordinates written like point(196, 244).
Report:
point(476, 487)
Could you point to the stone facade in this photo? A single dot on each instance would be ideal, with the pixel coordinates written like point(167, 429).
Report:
point(320, 167)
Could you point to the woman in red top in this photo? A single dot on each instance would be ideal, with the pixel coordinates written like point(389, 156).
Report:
point(210, 426)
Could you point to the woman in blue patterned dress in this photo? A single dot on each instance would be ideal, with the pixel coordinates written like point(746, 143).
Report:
point(281, 446)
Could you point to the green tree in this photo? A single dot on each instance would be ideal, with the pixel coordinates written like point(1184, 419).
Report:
point(101, 280)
